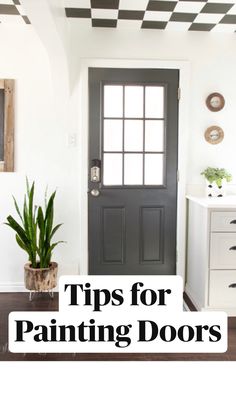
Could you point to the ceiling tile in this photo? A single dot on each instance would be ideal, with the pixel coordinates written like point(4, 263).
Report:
point(129, 24)
point(178, 26)
point(221, 1)
point(104, 23)
point(104, 4)
point(183, 17)
point(104, 13)
point(208, 18)
point(12, 19)
point(221, 27)
point(7, 2)
point(7, 9)
point(78, 13)
point(131, 14)
point(232, 11)
point(153, 25)
point(216, 7)
point(26, 20)
point(20, 9)
point(201, 27)
point(189, 6)
point(229, 19)
point(159, 16)
point(133, 4)
point(78, 4)
point(163, 6)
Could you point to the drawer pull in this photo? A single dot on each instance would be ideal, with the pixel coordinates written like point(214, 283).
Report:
point(233, 222)
point(232, 248)
point(232, 285)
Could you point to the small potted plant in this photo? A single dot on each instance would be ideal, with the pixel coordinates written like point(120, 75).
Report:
point(34, 234)
point(215, 179)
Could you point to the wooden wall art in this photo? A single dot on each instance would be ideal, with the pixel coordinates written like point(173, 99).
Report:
point(214, 134)
point(6, 125)
point(215, 102)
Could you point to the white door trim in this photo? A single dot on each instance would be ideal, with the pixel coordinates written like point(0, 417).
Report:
point(184, 68)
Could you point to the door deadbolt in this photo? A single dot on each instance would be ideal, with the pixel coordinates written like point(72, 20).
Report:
point(95, 171)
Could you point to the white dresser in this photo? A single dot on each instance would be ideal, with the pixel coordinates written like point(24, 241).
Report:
point(211, 253)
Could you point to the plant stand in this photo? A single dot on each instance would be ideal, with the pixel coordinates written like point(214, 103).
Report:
point(32, 294)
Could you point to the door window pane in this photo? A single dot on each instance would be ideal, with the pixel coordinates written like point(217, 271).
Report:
point(133, 135)
point(154, 135)
point(154, 105)
point(153, 169)
point(113, 101)
point(133, 169)
point(134, 101)
point(112, 169)
point(112, 134)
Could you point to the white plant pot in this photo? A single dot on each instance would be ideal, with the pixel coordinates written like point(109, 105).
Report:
point(215, 191)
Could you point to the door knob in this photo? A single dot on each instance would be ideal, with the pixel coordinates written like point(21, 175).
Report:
point(95, 192)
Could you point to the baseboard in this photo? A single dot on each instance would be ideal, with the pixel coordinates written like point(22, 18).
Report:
point(189, 293)
point(12, 287)
point(17, 287)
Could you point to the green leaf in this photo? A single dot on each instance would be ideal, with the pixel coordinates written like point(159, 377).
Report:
point(26, 219)
point(27, 186)
point(18, 229)
point(49, 252)
point(22, 245)
point(31, 200)
point(55, 230)
point(49, 217)
point(40, 220)
point(50, 204)
point(17, 209)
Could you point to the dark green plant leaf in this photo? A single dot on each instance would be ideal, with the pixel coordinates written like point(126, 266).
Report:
point(17, 209)
point(55, 230)
point(18, 229)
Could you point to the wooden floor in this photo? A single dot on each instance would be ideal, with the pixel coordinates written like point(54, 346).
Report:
point(20, 302)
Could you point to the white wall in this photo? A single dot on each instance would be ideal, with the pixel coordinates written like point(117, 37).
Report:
point(41, 150)
point(212, 57)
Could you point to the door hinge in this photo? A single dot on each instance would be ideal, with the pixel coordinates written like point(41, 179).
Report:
point(177, 175)
point(179, 93)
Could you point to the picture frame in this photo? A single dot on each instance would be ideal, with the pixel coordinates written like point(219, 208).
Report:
point(7, 125)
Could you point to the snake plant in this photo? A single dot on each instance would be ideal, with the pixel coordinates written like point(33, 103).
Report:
point(35, 230)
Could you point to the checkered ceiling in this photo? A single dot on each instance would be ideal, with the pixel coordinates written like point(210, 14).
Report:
point(181, 15)
point(11, 11)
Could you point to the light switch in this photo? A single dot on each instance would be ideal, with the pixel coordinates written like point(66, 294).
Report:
point(72, 140)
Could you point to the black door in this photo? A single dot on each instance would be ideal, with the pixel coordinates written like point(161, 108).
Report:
point(133, 146)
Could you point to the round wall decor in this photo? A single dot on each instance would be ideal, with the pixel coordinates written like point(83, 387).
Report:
point(214, 134)
point(215, 102)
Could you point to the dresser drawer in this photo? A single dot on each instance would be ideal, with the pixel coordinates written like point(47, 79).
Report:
point(223, 251)
point(220, 295)
point(223, 221)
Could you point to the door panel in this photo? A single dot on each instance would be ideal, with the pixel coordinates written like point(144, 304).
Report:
point(113, 234)
point(133, 125)
point(151, 241)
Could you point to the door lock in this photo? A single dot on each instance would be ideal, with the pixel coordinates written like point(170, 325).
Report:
point(95, 171)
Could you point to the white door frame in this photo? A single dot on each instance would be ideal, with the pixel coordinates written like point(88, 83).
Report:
point(184, 69)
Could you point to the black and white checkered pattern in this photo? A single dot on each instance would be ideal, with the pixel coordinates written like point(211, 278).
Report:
point(11, 11)
point(186, 15)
